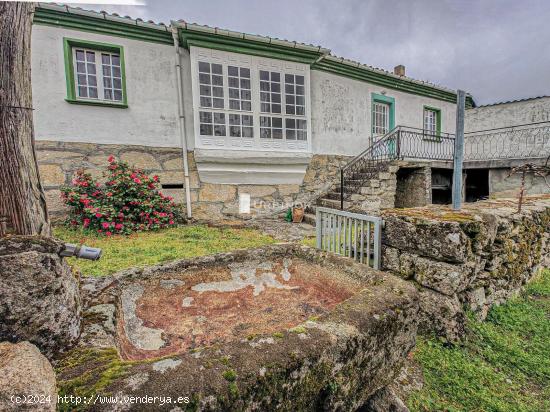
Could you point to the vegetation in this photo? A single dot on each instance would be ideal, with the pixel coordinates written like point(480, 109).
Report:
point(129, 201)
point(504, 364)
point(149, 248)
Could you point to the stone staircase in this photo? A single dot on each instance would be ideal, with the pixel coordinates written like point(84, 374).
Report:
point(373, 195)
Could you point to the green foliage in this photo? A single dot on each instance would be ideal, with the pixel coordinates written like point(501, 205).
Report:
point(230, 375)
point(129, 201)
point(150, 248)
point(503, 366)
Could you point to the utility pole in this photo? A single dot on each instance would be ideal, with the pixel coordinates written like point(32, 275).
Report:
point(458, 149)
point(22, 201)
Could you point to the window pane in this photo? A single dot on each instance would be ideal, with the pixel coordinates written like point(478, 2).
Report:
point(91, 68)
point(234, 105)
point(235, 131)
point(299, 79)
point(93, 92)
point(246, 106)
point(204, 67)
point(245, 72)
point(219, 130)
point(204, 78)
point(264, 75)
point(80, 55)
point(275, 77)
point(277, 133)
point(82, 91)
point(81, 78)
point(118, 95)
point(232, 71)
point(92, 80)
point(206, 102)
point(217, 80)
point(248, 132)
point(116, 72)
point(217, 103)
point(205, 117)
point(90, 56)
point(206, 130)
point(106, 59)
point(115, 60)
point(108, 94)
point(216, 68)
point(217, 91)
point(219, 118)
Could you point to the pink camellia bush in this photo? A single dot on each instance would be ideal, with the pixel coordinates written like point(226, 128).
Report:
point(129, 201)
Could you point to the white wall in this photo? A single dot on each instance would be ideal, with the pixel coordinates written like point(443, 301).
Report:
point(341, 112)
point(151, 116)
point(507, 114)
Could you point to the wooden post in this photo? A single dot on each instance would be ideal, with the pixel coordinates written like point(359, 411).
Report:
point(458, 149)
point(22, 198)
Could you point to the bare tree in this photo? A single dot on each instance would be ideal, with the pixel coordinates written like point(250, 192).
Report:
point(22, 201)
point(540, 171)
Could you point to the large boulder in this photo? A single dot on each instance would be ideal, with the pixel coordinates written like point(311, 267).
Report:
point(27, 380)
point(39, 296)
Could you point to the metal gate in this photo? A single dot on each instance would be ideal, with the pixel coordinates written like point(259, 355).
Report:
point(349, 234)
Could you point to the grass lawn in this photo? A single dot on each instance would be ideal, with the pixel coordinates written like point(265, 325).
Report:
point(503, 366)
point(149, 248)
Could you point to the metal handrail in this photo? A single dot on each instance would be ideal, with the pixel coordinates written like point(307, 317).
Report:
point(526, 141)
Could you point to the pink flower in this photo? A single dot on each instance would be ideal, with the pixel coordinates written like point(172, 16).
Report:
point(98, 215)
point(105, 225)
point(171, 222)
point(108, 233)
point(119, 226)
point(133, 175)
point(111, 159)
point(155, 178)
point(86, 222)
point(136, 180)
point(109, 194)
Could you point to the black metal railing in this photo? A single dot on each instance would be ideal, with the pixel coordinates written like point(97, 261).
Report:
point(526, 141)
point(399, 143)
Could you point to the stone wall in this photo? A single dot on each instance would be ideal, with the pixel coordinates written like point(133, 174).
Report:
point(470, 259)
point(58, 161)
point(376, 194)
point(413, 187)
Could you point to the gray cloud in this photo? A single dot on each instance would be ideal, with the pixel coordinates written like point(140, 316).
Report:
point(496, 50)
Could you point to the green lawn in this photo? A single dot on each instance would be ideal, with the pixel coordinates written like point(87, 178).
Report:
point(149, 248)
point(503, 366)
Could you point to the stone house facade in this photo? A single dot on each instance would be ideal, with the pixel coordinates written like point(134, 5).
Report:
point(254, 115)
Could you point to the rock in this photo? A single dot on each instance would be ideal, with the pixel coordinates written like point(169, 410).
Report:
point(384, 400)
point(211, 192)
point(39, 296)
point(26, 374)
point(51, 175)
point(441, 314)
point(141, 160)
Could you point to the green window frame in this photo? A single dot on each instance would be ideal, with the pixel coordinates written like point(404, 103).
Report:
point(390, 101)
point(429, 134)
point(68, 46)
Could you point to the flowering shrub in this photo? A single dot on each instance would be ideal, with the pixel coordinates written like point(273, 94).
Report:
point(129, 201)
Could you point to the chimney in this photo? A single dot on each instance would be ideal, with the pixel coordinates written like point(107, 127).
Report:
point(399, 70)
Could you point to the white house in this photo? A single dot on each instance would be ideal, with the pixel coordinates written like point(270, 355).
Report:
point(257, 115)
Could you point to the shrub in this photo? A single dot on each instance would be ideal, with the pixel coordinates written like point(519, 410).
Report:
point(129, 201)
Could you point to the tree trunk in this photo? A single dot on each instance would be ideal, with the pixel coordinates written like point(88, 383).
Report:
point(22, 200)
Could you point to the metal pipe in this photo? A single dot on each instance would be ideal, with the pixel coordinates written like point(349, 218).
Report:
point(181, 122)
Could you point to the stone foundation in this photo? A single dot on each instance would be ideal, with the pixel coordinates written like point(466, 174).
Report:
point(470, 259)
point(58, 162)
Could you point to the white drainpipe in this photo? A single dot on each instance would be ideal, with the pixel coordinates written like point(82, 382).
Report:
point(181, 116)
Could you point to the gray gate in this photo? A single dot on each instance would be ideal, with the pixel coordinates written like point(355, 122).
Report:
point(350, 234)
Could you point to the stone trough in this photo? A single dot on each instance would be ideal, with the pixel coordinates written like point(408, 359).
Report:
point(282, 327)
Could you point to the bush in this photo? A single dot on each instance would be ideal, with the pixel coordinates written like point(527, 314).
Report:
point(129, 201)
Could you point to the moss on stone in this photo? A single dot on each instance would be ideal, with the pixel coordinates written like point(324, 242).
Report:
point(87, 372)
point(230, 375)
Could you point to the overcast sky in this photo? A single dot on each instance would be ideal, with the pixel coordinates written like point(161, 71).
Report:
point(495, 49)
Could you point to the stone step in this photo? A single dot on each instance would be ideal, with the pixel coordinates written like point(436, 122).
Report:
point(332, 203)
point(309, 218)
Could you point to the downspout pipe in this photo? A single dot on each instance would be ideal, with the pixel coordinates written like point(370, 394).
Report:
point(181, 122)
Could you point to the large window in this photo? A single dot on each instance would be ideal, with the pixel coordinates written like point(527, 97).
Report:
point(382, 114)
point(250, 102)
point(95, 73)
point(432, 121)
point(380, 118)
